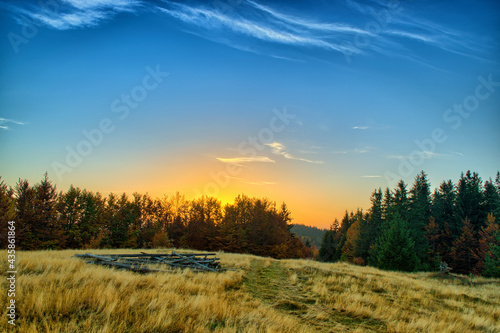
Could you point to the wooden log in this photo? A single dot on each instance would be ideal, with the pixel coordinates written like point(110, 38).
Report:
point(135, 262)
point(196, 263)
point(160, 255)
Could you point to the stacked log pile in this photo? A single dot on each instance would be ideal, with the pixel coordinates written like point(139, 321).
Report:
point(147, 263)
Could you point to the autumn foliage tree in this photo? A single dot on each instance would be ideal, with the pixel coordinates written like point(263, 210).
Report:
point(47, 219)
point(487, 241)
point(464, 251)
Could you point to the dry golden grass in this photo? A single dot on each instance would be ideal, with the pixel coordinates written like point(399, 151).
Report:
point(59, 293)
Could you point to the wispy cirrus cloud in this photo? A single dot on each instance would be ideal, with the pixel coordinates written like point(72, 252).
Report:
point(370, 127)
point(253, 26)
point(72, 14)
point(5, 124)
point(269, 27)
point(239, 160)
point(371, 176)
point(279, 149)
point(421, 154)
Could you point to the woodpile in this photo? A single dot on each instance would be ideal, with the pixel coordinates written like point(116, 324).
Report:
point(148, 263)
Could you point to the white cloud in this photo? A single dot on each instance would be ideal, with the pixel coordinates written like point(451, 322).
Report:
point(416, 154)
point(456, 153)
point(5, 123)
point(72, 14)
point(251, 19)
point(211, 19)
point(238, 160)
point(279, 149)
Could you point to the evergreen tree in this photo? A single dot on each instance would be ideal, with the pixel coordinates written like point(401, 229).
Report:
point(70, 209)
point(394, 249)
point(419, 212)
point(93, 225)
point(26, 236)
point(329, 250)
point(492, 260)
point(46, 224)
point(400, 201)
point(491, 197)
point(443, 208)
point(7, 212)
point(469, 200)
point(341, 235)
point(387, 204)
point(369, 227)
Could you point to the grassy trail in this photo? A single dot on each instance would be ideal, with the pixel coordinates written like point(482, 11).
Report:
point(285, 291)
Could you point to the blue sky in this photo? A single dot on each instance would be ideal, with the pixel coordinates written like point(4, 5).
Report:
point(340, 97)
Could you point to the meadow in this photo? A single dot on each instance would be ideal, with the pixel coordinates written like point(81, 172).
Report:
point(56, 292)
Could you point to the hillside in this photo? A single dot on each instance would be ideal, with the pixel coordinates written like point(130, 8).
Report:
point(313, 234)
point(59, 293)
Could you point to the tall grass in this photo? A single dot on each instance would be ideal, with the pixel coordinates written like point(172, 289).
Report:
point(59, 293)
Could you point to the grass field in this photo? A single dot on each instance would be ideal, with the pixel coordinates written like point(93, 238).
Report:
point(56, 292)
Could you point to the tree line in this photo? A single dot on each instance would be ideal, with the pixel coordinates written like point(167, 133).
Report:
point(415, 230)
point(80, 219)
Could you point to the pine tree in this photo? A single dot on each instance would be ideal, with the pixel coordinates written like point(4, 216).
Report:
point(491, 199)
point(419, 212)
point(46, 224)
point(469, 199)
point(26, 235)
point(387, 204)
point(7, 212)
point(400, 200)
point(443, 208)
point(394, 249)
point(492, 260)
point(369, 227)
point(329, 250)
point(70, 209)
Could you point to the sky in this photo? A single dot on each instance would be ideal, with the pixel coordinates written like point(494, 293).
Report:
point(311, 103)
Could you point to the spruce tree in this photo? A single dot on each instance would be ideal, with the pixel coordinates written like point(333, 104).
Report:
point(491, 199)
point(492, 260)
point(470, 199)
point(7, 212)
point(329, 250)
point(369, 227)
point(418, 216)
point(395, 249)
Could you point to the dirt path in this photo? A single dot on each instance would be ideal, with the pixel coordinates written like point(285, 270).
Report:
point(272, 284)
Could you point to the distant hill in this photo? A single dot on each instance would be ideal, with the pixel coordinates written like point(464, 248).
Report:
point(315, 235)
